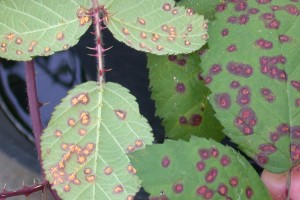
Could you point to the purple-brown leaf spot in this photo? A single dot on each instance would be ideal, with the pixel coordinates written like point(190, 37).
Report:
point(232, 20)
point(295, 130)
point(182, 120)
point(240, 6)
point(274, 24)
point(295, 152)
point(209, 194)
point(267, 16)
point(225, 32)
point(225, 160)
point(200, 77)
point(196, 119)
point(240, 69)
point(166, 162)
point(297, 102)
point(247, 130)
point(276, 8)
point(263, 1)
point(296, 84)
point(223, 100)
point(204, 154)
point(264, 44)
point(181, 62)
point(201, 190)
point(200, 165)
point(253, 11)
point(249, 192)
point(274, 136)
point(235, 84)
point(172, 58)
point(207, 80)
point(284, 38)
point(233, 181)
point(221, 7)
point(178, 188)
point(283, 129)
point(180, 88)
point(211, 175)
point(292, 9)
point(231, 48)
point(214, 152)
point(222, 189)
point(243, 97)
point(215, 69)
point(243, 19)
point(268, 148)
point(262, 158)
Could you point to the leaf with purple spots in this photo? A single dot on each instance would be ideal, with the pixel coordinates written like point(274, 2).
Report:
point(256, 95)
point(86, 144)
point(40, 28)
point(203, 7)
point(198, 169)
point(156, 26)
point(181, 98)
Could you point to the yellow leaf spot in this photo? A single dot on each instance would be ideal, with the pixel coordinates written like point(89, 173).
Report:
point(10, 36)
point(18, 41)
point(19, 52)
point(141, 21)
point(58, 133)
point(125, 31)
point(118, 189)
point(90, 178)
point(87, 170)
point(67, 188)
point(60, 36)
point(108, 170)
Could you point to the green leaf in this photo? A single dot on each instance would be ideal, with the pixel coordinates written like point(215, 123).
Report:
point(156, 26)
point(85, 146)
point(202, 7)
point(199, 169)
point(253, 70)
point(181, 97)
point(40, 28)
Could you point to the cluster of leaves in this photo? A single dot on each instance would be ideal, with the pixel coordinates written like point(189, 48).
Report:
point(250, 66)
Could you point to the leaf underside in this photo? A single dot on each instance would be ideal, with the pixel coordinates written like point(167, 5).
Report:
point(40, 28)
point(202, 7)
point(199, 169)
point(181, 97)
point(253, 70)
point(85, 146)
point(156, 26)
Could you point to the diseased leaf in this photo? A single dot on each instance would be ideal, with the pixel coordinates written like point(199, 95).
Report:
point(39, 28)
point(199, 169)
point(85, 146)
point(203, 7)
point(156, 26)
point(253, 70)
point(181, 97)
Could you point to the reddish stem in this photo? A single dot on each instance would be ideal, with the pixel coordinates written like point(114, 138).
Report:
point(98, 40)
point(34, 107)
point(24, 191)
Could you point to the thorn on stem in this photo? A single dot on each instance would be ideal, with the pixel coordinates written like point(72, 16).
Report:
point(103, 50)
